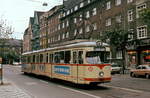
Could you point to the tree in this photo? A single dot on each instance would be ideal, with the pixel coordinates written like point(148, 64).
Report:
point(5, 30)
point(145, 16)
point(5, 33)
point(118, 40)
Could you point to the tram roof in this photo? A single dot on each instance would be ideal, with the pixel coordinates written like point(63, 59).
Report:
point(74, 45)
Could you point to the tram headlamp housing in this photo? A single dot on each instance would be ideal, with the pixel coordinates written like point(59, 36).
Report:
point(101, 74)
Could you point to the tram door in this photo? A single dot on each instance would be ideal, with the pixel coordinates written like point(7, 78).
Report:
point(75, 68)
point(77, 59)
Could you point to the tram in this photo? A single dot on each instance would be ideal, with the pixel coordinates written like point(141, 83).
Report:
point(79, 62)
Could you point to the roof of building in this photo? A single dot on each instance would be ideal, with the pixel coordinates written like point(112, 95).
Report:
point(70, 3)
point(13, 42)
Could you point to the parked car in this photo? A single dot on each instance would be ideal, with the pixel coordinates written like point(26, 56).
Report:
point(115, 68)
point(141, 70)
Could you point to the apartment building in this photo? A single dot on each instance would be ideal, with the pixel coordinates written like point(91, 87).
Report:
point(36, 30)
point(27, 43)
point(90, 19)
point(139, 51)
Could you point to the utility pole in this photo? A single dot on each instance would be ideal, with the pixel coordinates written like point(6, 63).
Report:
point(1, 71)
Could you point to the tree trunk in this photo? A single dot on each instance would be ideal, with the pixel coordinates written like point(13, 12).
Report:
point(123, 61)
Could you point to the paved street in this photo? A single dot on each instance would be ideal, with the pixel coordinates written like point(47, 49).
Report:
point(122, 86)
point(9, 90)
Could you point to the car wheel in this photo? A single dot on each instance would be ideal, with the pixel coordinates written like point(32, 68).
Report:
point(147, 76)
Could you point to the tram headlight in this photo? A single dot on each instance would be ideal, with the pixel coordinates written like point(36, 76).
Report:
point(101, 74)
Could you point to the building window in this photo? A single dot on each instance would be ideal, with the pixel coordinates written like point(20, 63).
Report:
point(118, 19)
point(130, 15)
point(68, 12)
point(87, 14)
point(94, 11)
point(81, 4)
point(75, 32)
point(139, 9)
point(131, 35)
point(129, 1)
point(87, 28)
point(75, 20)
point(89, 1)
point(63, 36)
point(108, 5)
point(94, 26)
point(118, 2)
point(108, 22)
point(67, 35)
point(64, 14)
point(76, 8)
point(63, 25)
point(71, 10)
point(67, 23)
point(119, 55)
point(58, 37)
point(80, 31)
point(80, 17)
point(142, 32)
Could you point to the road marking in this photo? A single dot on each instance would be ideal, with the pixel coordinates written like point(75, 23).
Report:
point(127, 89)
point(84, 93)
point(31, 83)
point(44, 81)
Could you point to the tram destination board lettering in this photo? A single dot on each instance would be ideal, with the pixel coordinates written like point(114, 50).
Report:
point(65, 70)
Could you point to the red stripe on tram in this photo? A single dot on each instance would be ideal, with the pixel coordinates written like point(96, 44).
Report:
point(97, 79)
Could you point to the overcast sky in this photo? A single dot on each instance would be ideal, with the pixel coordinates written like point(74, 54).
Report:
point(17, 12)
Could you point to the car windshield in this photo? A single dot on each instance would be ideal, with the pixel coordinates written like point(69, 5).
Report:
point(115, 65)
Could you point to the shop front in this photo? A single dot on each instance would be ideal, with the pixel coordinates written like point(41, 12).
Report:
point(145, 56)
point(132, 59)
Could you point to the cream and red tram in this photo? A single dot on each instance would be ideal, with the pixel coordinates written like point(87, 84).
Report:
point(80, 62)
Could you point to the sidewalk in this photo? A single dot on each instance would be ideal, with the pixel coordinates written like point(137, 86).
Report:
point(10, 90)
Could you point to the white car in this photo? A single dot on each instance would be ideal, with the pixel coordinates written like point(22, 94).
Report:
point(115, 68)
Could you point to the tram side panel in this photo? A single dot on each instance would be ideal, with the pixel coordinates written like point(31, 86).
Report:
point(81, 74)
point(61, 71)
point(26, 68)
point(74, 73)
point(48, 70)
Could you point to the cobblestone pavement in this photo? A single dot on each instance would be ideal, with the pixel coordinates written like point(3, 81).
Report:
point(9, 90)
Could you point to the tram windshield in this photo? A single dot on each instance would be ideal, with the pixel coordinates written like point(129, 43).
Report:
point(96, 57)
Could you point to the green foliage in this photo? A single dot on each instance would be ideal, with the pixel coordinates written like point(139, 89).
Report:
point(117, 38)
point(145, 16)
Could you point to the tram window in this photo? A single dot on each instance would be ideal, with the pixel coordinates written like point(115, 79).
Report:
point(37, 58)
point(80, 57)
point(24, 59)
point(62, 55)
point(74, 57)
point(94, 57)
point(46, 57)
point(33, 59)
point(57, 57)
point(67, 56)
point(41, 58)
point(50, 58)
point(28, 59)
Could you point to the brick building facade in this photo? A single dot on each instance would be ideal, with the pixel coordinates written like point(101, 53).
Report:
point(89, 19)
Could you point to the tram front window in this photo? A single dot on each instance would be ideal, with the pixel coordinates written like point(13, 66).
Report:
point(94, 57)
